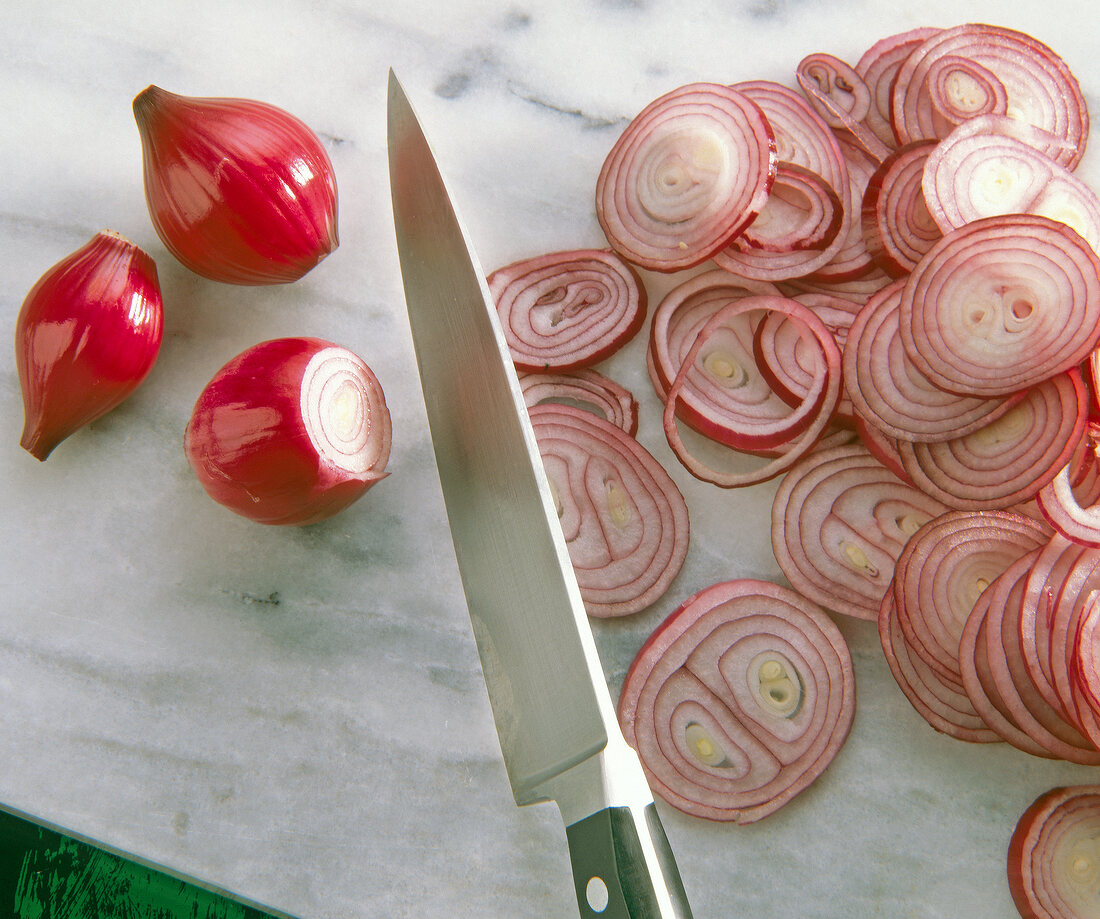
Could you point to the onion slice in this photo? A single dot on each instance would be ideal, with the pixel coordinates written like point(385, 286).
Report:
point(688, 174)
point(739, 700)
point(1001, 304)
point(878, 66)
point(1053, 863)
point(1040, 88)
point(625, 521)
point(568, 310)
point(839, 522)
point(1009, 459)
point(586, 388)
point(969, 175)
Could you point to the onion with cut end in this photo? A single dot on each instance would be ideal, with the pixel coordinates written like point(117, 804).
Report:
point(1053, 857)
point(839, 522)
point(291, 431)
point(625, 521)
point(568, 310)
point(739, 700)
point(588, 389)
point(1001, 304)
point(688, 174)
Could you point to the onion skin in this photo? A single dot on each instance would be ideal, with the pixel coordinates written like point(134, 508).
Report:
point(761, 736)
point(239, 191)
point(87, 335)
point(271, 439)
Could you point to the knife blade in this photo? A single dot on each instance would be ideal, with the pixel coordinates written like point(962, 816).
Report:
point(554, 716)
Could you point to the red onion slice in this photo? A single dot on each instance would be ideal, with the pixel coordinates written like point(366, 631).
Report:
point(977, 670)
point(971, 175)
point(1053, 863)
point(839, 522)
point(624, 519)
point(896, 225)
point(736, 424)
point(1062, 509)
point(802, 213)
point(878, 66)
point(943, 570)
point(1008, 460)
point(1043, 724)
point(889, 392)
point(739, 700)
point(841, 83)
point(1040, 88)
point(568, 310)
point(1001, 304)
point(588, 389)
point(680, 316)
point(688, 174)
point(802, 138)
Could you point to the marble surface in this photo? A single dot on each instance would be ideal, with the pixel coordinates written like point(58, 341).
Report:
point(298, 714)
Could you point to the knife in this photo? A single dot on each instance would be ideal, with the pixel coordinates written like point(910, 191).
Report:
point(554, 716)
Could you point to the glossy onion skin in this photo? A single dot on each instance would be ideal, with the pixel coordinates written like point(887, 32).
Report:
point(704, 666)
point(87, 335)
point(251, 446)
point(239, 191)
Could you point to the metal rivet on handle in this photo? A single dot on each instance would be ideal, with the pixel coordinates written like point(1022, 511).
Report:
point(596, 894)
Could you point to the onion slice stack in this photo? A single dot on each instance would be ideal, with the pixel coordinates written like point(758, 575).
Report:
point(739, 700)
point(1053, 861)
point(938, 579)
point(688, 174)
point(625, 521)
point(568, 310)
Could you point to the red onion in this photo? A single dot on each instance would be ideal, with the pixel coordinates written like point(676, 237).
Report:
point(889, 392)
point(1040, 88)
point(291, 431)
point(1001, 304)
point(1007, 460)
point(803, 139)
point(839, 522)
point(568, 310)
point(87, 335)
point(739, 700)
point(802, 213)
point(739, 422)
point(972, 174)
point(1062, 509)
point(239, 191)
point(878, 66)
point(842, 98)
point(688, 174)
point(587, 389)
point(854, 260)
point(624, 519)
point(895, 221)
point(1053, 865)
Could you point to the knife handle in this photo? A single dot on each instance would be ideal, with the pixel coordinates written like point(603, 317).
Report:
point(615, 875)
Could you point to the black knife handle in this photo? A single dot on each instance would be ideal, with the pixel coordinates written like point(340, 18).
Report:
point(612, 874)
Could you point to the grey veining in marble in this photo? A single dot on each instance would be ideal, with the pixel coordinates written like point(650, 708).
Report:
point(298, 715)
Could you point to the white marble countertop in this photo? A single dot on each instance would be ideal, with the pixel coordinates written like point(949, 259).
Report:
point(298, 714)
